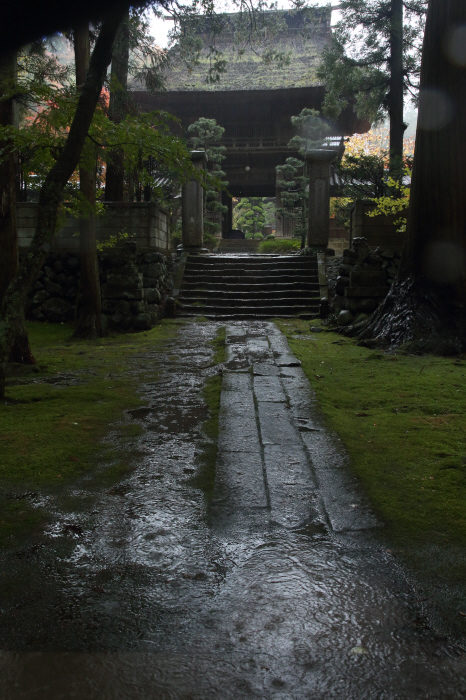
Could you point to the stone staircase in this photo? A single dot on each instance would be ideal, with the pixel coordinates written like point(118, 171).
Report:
point(249, 286)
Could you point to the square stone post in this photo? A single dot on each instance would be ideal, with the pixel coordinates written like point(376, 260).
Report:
point(192, 208)
point(318, 163)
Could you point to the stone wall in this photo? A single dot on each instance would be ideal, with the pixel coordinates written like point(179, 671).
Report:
point(379, 231)
point(363, 279)
point(147, 224)
point(136, 288)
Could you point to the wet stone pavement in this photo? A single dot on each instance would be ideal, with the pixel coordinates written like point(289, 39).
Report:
point(277, 588)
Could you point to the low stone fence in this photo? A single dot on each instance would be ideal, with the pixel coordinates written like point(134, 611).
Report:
point(379, 231)
point(136, 288)
point(145, 223)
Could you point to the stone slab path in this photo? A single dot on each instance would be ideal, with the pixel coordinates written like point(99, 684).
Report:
point(275, 455)
point(276, 590)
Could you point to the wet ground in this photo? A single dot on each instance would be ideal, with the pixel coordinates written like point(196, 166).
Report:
point(276, 588)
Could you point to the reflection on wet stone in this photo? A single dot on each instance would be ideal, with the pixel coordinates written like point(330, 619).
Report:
point(274, 589)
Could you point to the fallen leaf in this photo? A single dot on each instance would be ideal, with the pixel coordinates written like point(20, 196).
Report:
point(74, 459)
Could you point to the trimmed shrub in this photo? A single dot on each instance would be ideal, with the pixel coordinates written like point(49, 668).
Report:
point(285, 245)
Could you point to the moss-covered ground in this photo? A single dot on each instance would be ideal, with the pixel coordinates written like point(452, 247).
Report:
point(57, 412)
point(403, 421)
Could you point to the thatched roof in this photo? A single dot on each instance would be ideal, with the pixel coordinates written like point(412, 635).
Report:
point(299, 37)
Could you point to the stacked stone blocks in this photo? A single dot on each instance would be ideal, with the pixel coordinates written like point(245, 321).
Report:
point(135, 288)
point(364, 278)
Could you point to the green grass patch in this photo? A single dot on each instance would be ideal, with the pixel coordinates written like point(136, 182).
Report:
point(56, 413)
point(285, 245)
point(403, 421)
point(220, 347)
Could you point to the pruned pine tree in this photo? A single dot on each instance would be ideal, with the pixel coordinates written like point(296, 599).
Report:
point(294, 186)
point(425, 310)
point(374, 62)
point(250, 215)
point(294, 180)
point(205, 135)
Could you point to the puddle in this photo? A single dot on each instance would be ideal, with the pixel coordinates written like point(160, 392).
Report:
point(172, 419)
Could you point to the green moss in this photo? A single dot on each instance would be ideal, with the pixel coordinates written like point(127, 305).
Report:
point(403, 421)
point(247, 70)
point(54, 418)
point(219, 344)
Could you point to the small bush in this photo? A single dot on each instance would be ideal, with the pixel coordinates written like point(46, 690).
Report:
point(210, 241)
point(279, 246)
point(175, 239)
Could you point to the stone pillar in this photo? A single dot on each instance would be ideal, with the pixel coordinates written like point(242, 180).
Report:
point(192, 208)
point(318, 163)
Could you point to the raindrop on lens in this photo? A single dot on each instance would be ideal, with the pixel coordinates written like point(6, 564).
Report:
point(435, 110)
point(456, 46)
point(444, 262)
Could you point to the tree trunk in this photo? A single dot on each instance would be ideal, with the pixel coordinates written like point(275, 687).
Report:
point(396, 89)
point(20, 350)
point(425, 308)
point(89, 321)
point(52, 190)
point(114, 175)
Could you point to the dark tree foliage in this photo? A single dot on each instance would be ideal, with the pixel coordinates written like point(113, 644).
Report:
point(374, 60)
point(53, 187)
point(425, 310)
point(20, 350)
point(89, 320)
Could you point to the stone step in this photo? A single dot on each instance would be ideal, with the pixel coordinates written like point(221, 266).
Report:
point(265, 294)
point(238, 245)
point(251, 312)
point(250, 260)
point(256, 279)
point(250, 286)
point(187, 302)
point(283, 287)
point(242, 269)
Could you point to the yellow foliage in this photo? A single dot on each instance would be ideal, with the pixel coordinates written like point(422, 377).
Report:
point(376, 142)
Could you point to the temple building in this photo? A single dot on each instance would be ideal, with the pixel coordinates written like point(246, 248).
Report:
point(254, 98)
